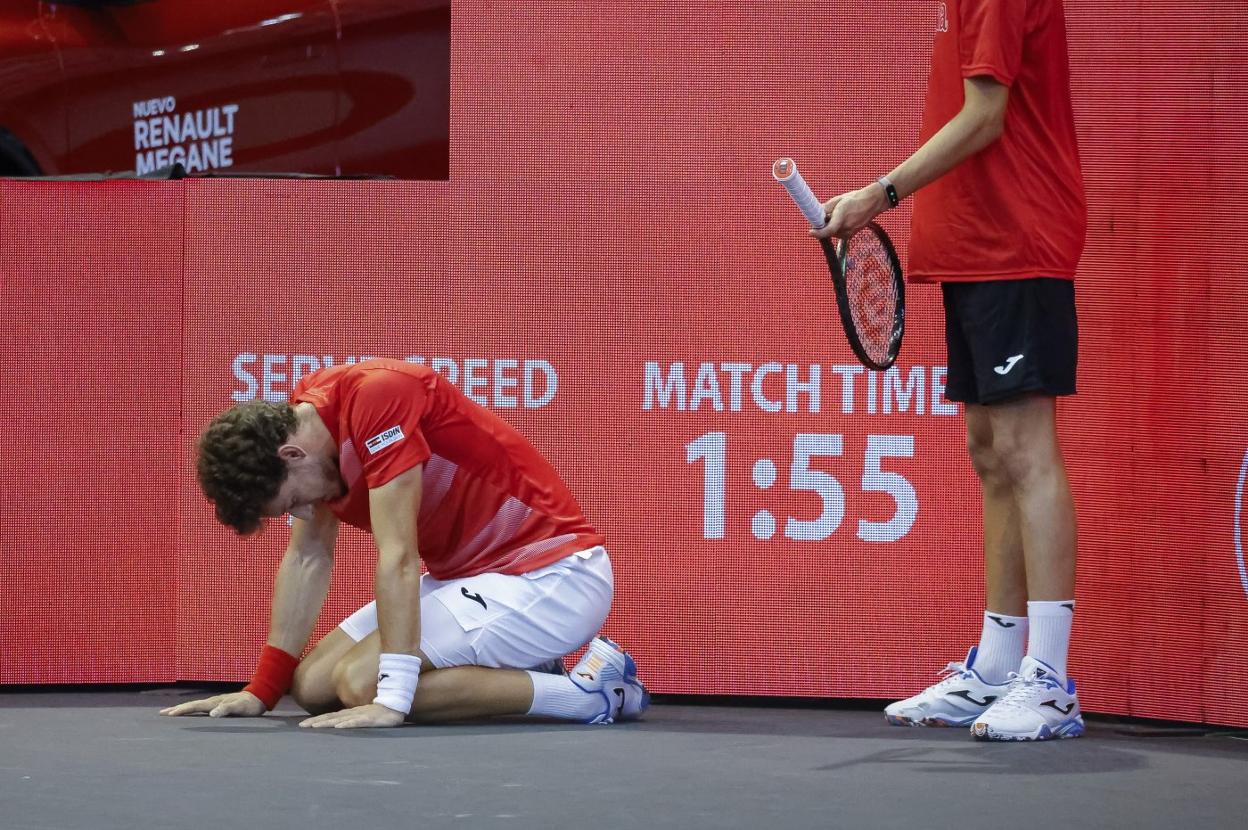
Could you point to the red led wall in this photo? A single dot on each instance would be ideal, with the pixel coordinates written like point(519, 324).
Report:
point(613, 270)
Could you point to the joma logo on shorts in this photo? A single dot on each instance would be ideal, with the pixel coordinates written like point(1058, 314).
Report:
point(384, 439)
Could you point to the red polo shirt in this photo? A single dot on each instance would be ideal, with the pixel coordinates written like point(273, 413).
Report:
point(489, 503)
point(1016, 209)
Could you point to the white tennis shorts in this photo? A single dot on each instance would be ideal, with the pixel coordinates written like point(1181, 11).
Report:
point(506, 621)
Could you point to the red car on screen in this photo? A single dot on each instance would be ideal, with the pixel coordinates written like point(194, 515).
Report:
point(335, 87)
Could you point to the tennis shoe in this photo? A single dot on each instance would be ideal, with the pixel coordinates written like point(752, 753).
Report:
point(1039, 706)
point(957, 699)
point(609, 671)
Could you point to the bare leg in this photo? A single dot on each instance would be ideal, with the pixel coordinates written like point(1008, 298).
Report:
point(1005, 571)
point(1024, 439)
point(313, 687)
point(457, 693)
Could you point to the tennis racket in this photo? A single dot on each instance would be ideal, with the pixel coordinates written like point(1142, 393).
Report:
point(866, 275)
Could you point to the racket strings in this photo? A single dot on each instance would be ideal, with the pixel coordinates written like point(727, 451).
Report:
point(872, 293)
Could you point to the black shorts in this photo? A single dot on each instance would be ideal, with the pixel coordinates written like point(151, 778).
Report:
point(1010, 337)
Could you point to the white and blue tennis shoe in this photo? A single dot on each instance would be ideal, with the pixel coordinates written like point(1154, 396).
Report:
point(609, 671)
point(957, 699)
point(1039, 706)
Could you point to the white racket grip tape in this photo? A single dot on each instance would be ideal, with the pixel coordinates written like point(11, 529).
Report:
point(785, 172)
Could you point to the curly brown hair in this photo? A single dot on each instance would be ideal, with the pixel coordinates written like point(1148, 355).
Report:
point(238, 466)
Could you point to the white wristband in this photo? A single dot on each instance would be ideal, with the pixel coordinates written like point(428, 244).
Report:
point(396, 681)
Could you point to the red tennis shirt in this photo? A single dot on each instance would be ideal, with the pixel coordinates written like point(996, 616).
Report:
point(490, 502)
point(1016, 209)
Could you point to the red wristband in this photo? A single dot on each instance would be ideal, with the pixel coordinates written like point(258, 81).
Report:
point(273, 675)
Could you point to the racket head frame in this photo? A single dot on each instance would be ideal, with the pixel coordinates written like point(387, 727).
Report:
point(835, 256)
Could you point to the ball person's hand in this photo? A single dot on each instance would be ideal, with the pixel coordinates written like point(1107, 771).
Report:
point(234, 705)
point(850, 212)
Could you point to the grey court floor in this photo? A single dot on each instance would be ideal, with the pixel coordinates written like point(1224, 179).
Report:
point(106, 760)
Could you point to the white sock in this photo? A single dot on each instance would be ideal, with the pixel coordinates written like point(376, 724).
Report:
point(1001, 646)
point(555, 696)
point(1050, 631)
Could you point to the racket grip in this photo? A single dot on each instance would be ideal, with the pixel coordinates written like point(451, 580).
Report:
point(785, 172)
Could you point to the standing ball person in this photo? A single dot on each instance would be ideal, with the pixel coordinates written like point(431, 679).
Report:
point(999, 222)
point(517, 576)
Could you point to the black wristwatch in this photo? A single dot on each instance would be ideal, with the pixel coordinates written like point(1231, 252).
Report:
point(889, 190)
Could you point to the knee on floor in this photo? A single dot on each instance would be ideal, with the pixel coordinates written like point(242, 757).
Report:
point(354, 682)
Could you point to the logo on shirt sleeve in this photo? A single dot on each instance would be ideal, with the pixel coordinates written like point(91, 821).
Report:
point(383, 439)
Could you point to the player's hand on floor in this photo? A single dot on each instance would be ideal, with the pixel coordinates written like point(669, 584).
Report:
point(236, 704)
point(361, 717)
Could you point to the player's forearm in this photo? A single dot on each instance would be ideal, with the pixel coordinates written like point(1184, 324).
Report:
point(970, 131)
point(398, 600)
point(298, 594)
